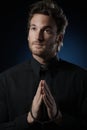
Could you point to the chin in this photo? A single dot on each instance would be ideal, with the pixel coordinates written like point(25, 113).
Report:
point(38, 51)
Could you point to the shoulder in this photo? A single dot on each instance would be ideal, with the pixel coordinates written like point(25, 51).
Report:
point(72, 68)
point(17, 69)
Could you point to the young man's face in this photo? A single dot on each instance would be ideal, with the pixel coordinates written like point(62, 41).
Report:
point(42, 36)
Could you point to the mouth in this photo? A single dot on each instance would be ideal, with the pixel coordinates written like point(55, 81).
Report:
point(38, 43)
point(38, 46)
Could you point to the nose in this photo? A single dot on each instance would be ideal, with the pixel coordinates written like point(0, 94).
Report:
point(40, 35)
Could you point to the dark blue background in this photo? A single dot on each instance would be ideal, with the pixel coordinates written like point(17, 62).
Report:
point(13, 33)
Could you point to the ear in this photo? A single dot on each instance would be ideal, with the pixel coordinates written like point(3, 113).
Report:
point(59, 41)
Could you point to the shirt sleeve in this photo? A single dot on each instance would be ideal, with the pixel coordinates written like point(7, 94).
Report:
point(19, 122)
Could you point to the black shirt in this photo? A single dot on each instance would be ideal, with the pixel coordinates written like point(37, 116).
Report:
point(67, 83)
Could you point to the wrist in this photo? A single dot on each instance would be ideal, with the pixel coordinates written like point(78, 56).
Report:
point(30, 119)
point(58, 118)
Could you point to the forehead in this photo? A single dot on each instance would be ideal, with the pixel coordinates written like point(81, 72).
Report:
point(42, 20)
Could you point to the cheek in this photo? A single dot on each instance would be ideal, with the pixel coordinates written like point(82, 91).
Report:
point(51, 41)
point(29, 37)
point(29, 40)
point(29, 34)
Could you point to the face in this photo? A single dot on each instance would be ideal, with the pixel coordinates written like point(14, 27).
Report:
point(42, 36)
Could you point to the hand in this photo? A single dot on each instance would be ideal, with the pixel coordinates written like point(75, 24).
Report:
point(48, 99)
point(36, 104)
point(43, 94)
point(37, 101)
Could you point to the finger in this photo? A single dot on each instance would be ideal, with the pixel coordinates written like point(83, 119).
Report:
point(48, 92)
point(38, 92)
point(39, 88)
point(38, 97)
point(47, 96)
point(42, 87)
point(47, 102)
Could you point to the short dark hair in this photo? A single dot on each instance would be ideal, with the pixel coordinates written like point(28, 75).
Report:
point(50, 8)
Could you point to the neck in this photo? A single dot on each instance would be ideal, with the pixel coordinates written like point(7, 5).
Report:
point(42, 60)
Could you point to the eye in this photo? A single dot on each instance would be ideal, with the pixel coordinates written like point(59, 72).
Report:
point(33, 28)
point(49, 31)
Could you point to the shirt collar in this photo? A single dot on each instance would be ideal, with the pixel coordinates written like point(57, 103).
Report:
point(36, 65)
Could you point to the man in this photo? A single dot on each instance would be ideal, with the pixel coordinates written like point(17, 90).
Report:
point(46, 91)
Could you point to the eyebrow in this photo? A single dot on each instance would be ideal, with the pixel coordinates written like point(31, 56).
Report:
point(43, 26)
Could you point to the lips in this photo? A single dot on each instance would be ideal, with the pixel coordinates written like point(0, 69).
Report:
point(38, 46)
point(37, 43)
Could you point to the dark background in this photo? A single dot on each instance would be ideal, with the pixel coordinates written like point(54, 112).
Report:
point(13, 32)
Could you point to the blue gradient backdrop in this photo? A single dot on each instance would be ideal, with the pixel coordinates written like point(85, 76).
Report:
point(13, 33)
